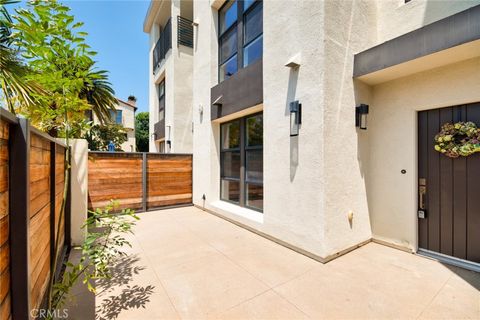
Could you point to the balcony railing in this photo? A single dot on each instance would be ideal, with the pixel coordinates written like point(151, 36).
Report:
point(184, 32)
point(159, 129)
point(164, 44)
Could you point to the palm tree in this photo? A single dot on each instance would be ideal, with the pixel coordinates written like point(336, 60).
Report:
point(98, 92)
point(16, 90)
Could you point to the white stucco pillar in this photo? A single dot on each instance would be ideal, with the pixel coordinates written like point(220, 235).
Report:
point(79, 190)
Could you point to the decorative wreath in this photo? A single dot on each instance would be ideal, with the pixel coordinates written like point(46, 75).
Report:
point(459, 139)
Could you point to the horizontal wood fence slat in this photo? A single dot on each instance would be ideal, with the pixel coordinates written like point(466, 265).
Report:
point(163, 180)
point(32, 175)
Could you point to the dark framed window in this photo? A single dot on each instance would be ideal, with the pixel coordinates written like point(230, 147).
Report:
point(241, 161)
point(240, 39)
point(161, 100)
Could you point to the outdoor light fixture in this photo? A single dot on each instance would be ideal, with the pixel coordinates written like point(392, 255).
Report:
point(295, 117)
point(361, 113)
point(294, 62)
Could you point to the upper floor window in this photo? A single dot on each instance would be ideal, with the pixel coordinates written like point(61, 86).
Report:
point(116, 116)
point(239, 43)
point(161, 100)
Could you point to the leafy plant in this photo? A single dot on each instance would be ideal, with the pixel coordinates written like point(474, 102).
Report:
point(104, 243)
point(49, 41)
point(15, 89)
point(142, 131)
point(99, 136)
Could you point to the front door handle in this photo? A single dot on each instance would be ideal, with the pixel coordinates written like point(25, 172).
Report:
point(422, 192)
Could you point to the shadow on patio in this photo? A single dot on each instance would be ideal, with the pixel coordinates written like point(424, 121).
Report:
point(188, 264)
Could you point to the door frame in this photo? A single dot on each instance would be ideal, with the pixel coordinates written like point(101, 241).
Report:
point(440, 257)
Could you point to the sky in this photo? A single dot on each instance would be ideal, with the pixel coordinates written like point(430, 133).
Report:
point(115, 31)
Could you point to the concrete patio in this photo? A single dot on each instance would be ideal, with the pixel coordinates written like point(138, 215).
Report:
point(188, 264)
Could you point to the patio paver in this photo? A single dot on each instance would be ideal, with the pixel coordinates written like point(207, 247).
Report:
point(188, 264)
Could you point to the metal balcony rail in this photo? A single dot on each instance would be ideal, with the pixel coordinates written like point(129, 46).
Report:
point(159, 129)
point(164, 44)
point(184, 32)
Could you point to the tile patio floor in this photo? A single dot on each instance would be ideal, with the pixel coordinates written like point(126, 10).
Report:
point(188, 264)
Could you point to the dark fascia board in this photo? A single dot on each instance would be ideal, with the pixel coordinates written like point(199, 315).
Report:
point(449, 32)
point(241, 91)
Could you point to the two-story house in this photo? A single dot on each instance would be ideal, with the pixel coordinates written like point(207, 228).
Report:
point(170, 28)
point(123, 115)
point(314, 122)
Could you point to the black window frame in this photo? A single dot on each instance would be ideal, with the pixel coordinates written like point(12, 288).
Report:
point(239, 26)
point(243, 148)
point(161, 106)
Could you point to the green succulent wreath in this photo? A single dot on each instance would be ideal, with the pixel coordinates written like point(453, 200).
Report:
point(459, 139)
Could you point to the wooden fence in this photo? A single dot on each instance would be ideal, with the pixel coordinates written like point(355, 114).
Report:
point(139, 181)
point(32, 173)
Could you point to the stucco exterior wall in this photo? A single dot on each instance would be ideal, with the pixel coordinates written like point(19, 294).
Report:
point(152, 90)
point(348, 29)
point(312, 182)
point(128, 122)
point(293, 184)
point(176, 69)
point(392, 134)
point(395, 17)
point(79, 190)
point(182, 136)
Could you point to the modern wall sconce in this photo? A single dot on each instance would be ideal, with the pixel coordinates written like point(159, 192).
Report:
point(295, 117)
point(294, 62)
point(361, 113)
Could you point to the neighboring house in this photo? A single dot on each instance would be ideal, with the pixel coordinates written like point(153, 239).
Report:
point(325, 186)
point(125, 115)
point(170, 83)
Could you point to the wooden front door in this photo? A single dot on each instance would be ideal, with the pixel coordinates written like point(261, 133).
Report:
point(451, 188)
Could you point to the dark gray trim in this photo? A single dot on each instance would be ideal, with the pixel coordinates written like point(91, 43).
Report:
point(19, 219)
point(68, 205)
point(144, 181)
point(469, 265)
point(168, 207)
point(46, 136)
point(449, 32)
point(118, 154)
point(53, 225)
point(8, 116)
point(241, 91)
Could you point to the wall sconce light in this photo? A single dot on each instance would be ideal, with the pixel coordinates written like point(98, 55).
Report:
point(361, 113)
point(295, 117)
point(294, 62)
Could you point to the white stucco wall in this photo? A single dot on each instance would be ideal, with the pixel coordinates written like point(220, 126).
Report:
point(79, 190)
point(182, 136)
point(152, 90)
point(392, 134)
point(293, 183)
point(313, 181)
point(395, 17)
point(176, 69)
point(128, 122)
point(348, 29)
